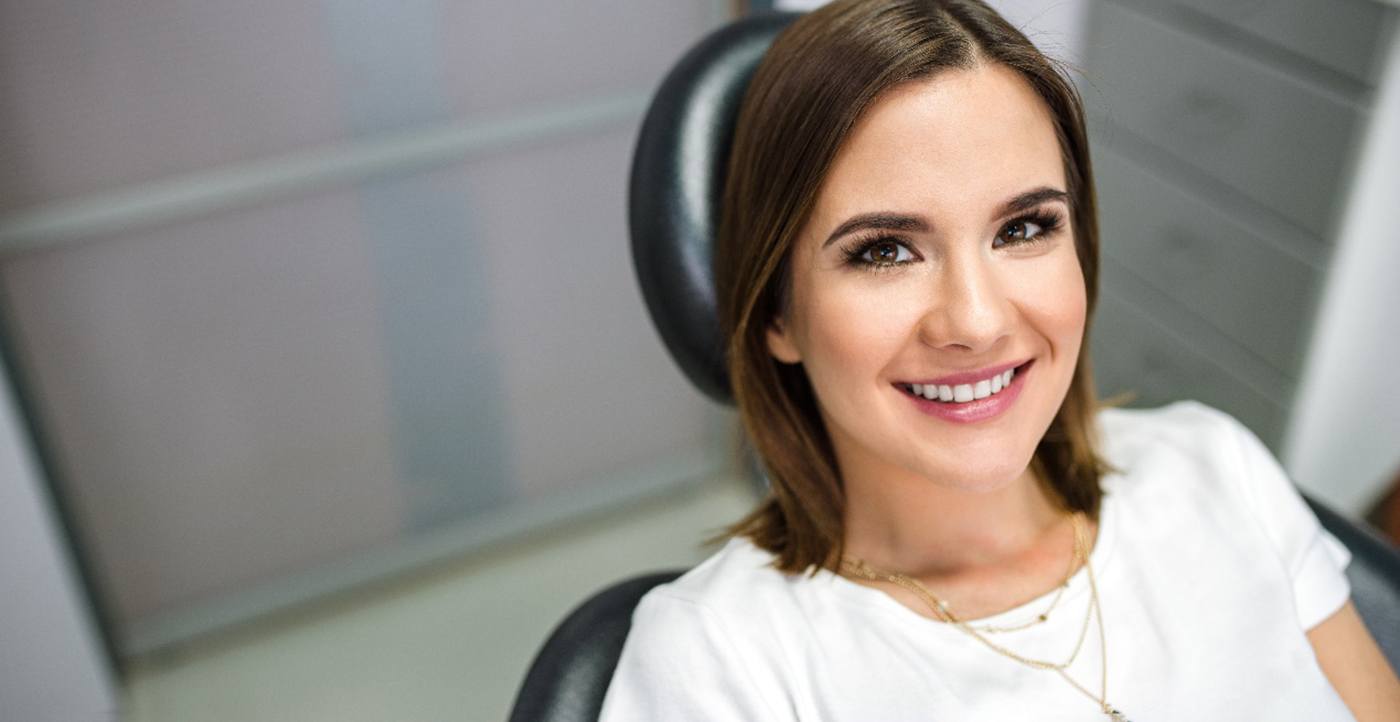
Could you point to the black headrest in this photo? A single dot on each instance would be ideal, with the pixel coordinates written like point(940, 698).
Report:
point(677, 185)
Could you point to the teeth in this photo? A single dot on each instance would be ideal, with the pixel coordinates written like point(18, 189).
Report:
point(963, 393)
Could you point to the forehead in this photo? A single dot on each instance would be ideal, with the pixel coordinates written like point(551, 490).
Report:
point(959, 141)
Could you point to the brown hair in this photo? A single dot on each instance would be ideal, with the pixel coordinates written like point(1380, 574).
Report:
point(814, 83)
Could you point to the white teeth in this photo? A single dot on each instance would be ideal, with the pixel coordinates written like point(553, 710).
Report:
point(963, 393)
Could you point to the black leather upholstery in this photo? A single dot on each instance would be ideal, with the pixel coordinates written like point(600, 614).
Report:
point(570, 674)
point(677, 180)
point(677, 177)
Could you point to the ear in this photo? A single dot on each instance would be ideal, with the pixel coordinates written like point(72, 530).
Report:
point(780, 343)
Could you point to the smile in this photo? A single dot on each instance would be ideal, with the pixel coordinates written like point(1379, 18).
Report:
point(964, 387)
point(962, 393)
point(974, 400)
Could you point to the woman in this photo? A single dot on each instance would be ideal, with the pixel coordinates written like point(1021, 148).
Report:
point(906, 264)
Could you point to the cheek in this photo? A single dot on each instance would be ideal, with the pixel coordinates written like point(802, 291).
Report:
point(853, 330)
point(1057, 299)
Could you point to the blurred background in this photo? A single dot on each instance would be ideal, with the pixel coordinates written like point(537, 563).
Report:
point(328, 390)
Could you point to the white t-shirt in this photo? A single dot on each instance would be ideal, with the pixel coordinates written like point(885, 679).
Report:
point(1209, 568)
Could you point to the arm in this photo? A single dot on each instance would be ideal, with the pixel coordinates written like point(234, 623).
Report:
point(1355, 666)
point(1347, 654)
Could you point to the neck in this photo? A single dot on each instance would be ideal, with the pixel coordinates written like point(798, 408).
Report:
point(904, 522)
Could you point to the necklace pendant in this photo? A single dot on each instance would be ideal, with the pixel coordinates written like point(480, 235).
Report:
point(1117, 716)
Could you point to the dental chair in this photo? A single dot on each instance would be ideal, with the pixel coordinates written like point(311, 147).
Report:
point(676, 186)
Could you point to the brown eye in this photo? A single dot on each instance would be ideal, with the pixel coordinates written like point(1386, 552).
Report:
point(1020, 232)
point(886, 253)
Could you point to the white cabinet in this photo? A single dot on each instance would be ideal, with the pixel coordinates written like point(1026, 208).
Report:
point(1229, 139)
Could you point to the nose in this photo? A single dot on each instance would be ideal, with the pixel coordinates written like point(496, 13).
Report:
point(968, 309)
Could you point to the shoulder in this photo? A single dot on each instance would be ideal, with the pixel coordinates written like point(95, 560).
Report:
point(1185, 426)
point(1187, 456)
point(734, 579)
point(735, 604)
point(698, 648)
point(1191, 463)
point(1184, 437)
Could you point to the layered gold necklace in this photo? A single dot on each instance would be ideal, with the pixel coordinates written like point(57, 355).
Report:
point(858, 568)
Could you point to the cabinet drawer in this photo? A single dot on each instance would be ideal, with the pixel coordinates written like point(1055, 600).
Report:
point(1134, 352)
point(1277, 140)
point(1344, 35)
point(1211, 263)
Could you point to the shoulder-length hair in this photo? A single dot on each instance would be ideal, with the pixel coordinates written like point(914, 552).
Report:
point(811, 87)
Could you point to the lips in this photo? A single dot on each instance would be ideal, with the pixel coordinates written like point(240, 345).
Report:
point(967, 386)
point(969, 402)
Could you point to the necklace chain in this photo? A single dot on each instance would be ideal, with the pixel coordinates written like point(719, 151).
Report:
point(1075, 559)
point(859, 568)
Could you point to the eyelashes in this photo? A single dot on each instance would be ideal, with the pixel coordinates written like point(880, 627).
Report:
point(879, 252)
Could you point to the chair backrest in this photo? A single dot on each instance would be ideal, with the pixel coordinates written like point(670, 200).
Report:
point(677, 182)
point(674, 199)
point(570, 675)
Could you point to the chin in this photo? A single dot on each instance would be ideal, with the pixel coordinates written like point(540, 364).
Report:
point(985, 483)
point(995, 474)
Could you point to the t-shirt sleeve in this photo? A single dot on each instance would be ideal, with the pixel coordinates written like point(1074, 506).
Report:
point(679, 663)
point(1315, 560)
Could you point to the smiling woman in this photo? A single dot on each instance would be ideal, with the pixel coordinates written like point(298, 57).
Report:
point(939, 221)
point(907, 262)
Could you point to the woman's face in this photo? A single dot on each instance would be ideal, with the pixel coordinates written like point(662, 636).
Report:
point(940, 246)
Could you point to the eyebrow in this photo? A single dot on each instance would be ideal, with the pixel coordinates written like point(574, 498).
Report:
point(891, 221)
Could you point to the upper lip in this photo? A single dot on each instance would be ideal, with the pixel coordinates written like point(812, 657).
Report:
point(971, 377)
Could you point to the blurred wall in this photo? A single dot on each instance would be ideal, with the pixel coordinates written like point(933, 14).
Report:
point(1344, 441)
point(1238, 152)
point(53, 667)
point(307, 293)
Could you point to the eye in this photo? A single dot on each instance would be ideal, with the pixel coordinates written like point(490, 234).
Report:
point(884, 252)
point(1021, 231)
point(1028, 230)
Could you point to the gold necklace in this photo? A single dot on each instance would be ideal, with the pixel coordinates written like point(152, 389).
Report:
point(1075, 559)
point(945, 612)
point(939, 607)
